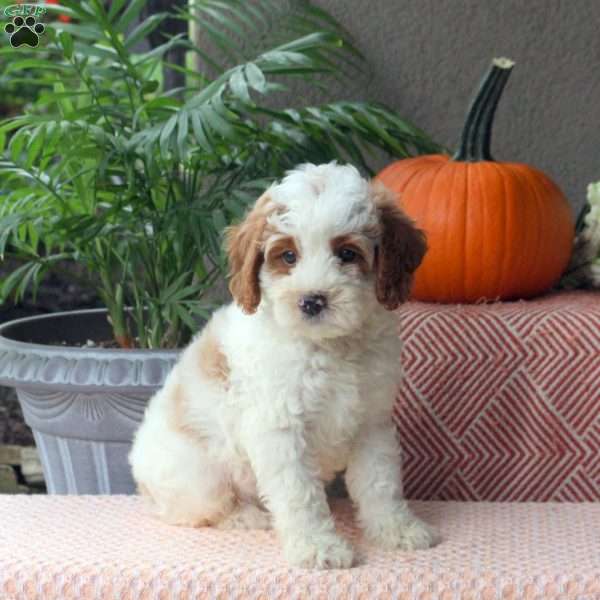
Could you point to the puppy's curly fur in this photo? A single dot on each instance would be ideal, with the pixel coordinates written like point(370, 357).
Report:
point(280, 391)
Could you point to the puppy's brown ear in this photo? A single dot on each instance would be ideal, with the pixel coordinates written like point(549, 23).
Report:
point(244, 246)
point(400, 251)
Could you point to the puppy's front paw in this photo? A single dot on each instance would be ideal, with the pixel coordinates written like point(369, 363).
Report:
point(319, 551)
point(402, 532)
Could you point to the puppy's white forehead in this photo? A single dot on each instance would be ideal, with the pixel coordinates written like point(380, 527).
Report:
point(324, 201)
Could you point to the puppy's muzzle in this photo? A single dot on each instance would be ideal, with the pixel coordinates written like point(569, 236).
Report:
point(313, 304)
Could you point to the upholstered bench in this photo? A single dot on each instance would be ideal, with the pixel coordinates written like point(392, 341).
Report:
point(107, 547)
point(500, 402)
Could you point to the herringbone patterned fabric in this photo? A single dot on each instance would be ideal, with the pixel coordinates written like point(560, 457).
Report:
point(502, 401)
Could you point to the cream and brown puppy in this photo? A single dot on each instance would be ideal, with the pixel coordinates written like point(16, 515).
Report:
point(296, 379)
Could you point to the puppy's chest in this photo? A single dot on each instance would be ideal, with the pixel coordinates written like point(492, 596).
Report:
point(331, 397)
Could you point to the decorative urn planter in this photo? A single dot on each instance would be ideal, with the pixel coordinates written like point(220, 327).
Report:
point(82, 403)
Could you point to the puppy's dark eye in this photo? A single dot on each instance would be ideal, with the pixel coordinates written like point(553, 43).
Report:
point(289, 257)
point(347, 255)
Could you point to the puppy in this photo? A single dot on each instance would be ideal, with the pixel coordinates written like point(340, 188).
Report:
point(295, 381)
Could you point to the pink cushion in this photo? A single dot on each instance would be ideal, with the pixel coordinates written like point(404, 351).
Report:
point(502, 401)
point(88, 547)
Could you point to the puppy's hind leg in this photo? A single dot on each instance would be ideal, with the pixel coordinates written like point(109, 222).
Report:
point(184, 484)
point(246, 516)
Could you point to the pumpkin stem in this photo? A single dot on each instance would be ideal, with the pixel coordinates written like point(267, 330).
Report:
point(477, 133)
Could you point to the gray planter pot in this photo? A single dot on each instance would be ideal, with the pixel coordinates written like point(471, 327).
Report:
point(83, 404)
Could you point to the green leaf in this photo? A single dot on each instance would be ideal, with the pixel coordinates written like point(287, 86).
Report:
point(182, 132)
point(132, 12)
point(11, 283)
point(89, 31)
point(97, 51)
point(165, 135)
point(311, 41)
point(239, 86)
point(16, 145)
point(150, 86)
point(115, 8)
point(185, 316)
point(8, 226)
point(216, 122)
point(64, 102)
point(34, 236)
point(35, 145)
point(32, 274)
point(199, 132)
point(159, 51)
point(33, 63)
point(219, 219)
point(12, 123)
point(255, 77)
point(208, 93)
point(144, 29)
point(66, 41)
point(235, 207)
point(159, 103)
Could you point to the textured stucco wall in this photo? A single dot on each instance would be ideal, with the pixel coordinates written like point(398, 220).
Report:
point(427, 58)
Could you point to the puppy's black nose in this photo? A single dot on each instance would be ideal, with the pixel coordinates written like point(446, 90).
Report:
point(312, 305)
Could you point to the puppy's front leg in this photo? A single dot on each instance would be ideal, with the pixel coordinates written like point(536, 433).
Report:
point(374, 483)
point(288, 480)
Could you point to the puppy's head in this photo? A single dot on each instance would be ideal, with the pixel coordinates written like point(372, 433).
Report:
point(321, 249)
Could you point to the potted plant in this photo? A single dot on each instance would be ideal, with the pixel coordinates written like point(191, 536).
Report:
point(111, 170)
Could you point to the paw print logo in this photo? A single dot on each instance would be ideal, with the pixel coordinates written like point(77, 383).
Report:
point(24, 32)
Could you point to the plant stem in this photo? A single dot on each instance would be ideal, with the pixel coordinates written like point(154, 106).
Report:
point(476, 136)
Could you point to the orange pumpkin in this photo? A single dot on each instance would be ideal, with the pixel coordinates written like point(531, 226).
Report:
point(495, 230)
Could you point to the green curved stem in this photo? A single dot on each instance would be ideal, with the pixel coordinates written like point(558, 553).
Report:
point(476, 136)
